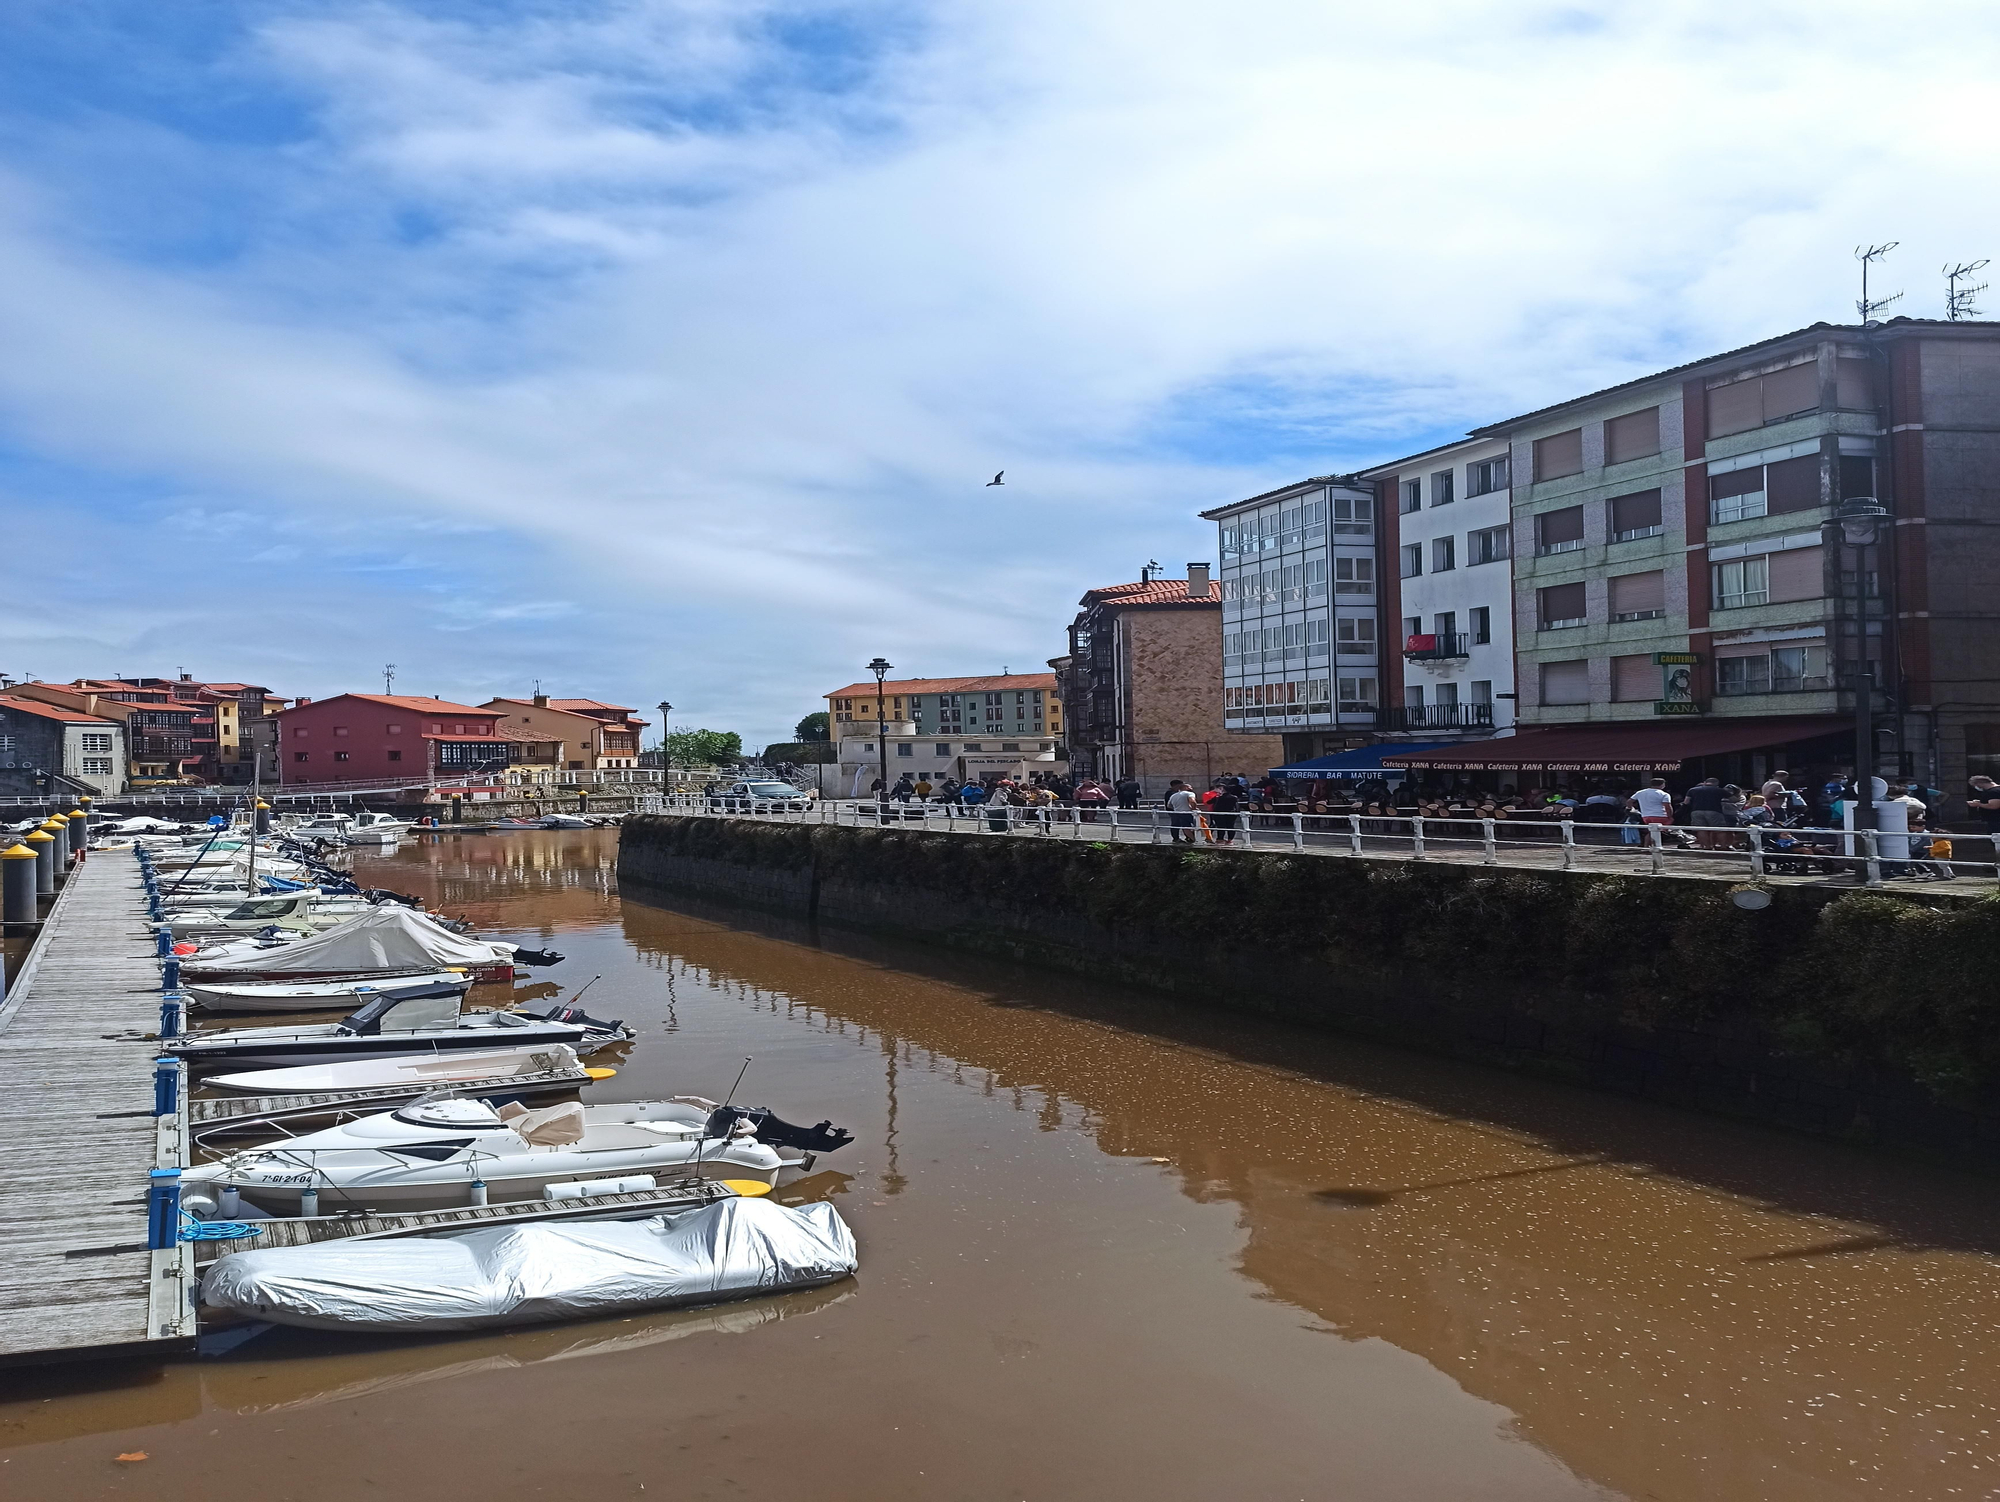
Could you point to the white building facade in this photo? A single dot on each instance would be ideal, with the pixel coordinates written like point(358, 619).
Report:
point(1447, 591)
point(1301, 628)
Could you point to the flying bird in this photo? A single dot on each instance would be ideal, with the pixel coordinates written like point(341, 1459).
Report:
point(996, 480)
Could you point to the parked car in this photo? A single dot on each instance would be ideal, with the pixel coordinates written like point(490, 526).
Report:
point(761, 796)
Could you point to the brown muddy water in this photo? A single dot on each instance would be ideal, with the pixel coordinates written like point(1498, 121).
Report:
point(1114, 1246)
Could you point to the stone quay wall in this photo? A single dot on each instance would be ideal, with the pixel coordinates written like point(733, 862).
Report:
point(1853, 1014)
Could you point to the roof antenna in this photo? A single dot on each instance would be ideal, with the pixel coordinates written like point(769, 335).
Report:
point(1957, 299)
point(388, 678)
point(1146, 574)
point(1867, 255)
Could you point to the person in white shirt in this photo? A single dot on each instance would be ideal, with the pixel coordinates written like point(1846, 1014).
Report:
point(1180, 812)
point(1654, 803)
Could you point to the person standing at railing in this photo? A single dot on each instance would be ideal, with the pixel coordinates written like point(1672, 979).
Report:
point(1225, 813)
point(1181, 805)
point(1653, 803)
point(1091, 797)
point(1128, 790)
point(924, 789)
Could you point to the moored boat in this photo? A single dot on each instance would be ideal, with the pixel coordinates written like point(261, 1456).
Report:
point(309, 995)
point(429, 1071)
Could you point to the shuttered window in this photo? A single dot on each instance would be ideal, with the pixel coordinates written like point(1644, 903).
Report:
point(1566, 682)
point(1792, 485)
point(1633, 436)
point(1798, 575)
point(1737, 496)
point(1561, 605)
point(1559, 454)
point(1735, 408)
point(1559, 531)
point(1743, 405)
point(1791, 391)
point(1639, 597)
point(1636, 515)
point(1854, 385)
point(1635, 677)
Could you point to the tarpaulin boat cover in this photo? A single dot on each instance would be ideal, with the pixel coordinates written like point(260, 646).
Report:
point(531, 1274)
point(386, 938)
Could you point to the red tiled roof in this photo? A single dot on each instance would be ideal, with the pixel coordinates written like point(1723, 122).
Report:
point(1153, 592)
point(54, 711)
point(398, 701)
point(907, 686)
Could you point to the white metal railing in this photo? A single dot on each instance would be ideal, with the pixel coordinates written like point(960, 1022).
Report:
point(1750, 852)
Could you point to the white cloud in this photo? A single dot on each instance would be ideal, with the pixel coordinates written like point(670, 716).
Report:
point(733, 333)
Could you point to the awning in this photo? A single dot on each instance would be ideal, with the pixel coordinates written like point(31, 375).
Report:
point(1362, 760)
point(1643, 747)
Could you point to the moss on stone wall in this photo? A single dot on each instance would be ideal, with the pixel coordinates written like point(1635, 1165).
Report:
point(1841, 978)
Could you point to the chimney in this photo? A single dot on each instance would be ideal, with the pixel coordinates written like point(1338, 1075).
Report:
point(541, 700)
point(303, 701)
point(187, 677)
point(1198, 588)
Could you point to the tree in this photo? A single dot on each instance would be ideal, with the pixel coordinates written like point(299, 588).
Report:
point(704, 748)
point(814, 727)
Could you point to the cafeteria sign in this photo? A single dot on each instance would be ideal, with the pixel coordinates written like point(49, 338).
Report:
point(1677, 683)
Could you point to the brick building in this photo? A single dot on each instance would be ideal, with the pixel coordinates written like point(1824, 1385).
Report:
point(1142, 687)
point(385, 739)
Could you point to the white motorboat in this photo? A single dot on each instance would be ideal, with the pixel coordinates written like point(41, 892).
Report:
point(518, 1275)
point(310, 995)
point(303, 912)
point(429, 1155)
point(389, 940)
point(376, 829)
point(426, 1020)
point(562, 821)
point(419, 1071)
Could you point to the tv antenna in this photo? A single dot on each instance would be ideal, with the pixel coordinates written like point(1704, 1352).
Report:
point(1146, 574)
point(1957, 299)
point(388, 677)
point(1868, 255)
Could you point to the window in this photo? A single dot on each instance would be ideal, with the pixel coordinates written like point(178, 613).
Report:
point(1737, 496)
point(1356, 694)
point(99, 766)
point(1792, 485)
point(93, 741)
point(1355, 638)
point(1799, 669)
point(1442, 554)
point(1488, 545)
point(1413, 625)
point(340, 756)
point(1486, 476)
point(395, 756)
point(943, 748)
point(1413, 495)
point(340, 730)
point(1315, 577)
point(1743, 675)
point(1441, 488)
point(298, 731)
point(1566, 682)
point(1854, 385)
point(300, 755)
point(1413, 697)
point(1354, 576)
point(395, 729)
point(1413, 559)
point(1445, 623)
point(1353, 516)
point(1857, 475)
point(1559, 531)
point(904, 748)
point(1635, 516)
point(1480, 691)
point(7, 744)
point(1639, 597)
point(1746, 581)
point(1739, 406)
point(1561, 606)
point(437, 728)
point(1634, 677)
point(1799, 574)
point(1636, 435)
point(1559, 455)
point(1445, 696)
point(1482, 624)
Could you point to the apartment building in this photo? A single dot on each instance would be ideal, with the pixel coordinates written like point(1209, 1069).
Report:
point(586, 734)
point(1143, 687)
point(1684, 582)
point(1301, 625)
point(51, 750)
point(185, 728)
point(1012, 704)
point(1447, 530)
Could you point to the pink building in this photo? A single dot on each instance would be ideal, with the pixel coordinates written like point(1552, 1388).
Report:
point(383, 738)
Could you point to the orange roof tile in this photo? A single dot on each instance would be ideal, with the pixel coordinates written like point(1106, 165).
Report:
point(989, 684)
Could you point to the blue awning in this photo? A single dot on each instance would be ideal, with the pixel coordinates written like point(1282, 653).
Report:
point(1351, 766)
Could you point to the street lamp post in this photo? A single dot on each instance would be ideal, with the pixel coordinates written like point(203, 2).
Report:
point(1859, 519)
point(666, 753)
point(879, 667)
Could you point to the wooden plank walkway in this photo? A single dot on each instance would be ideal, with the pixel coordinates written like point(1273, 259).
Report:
point(77, 1136)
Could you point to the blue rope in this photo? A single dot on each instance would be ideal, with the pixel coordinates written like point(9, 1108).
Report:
point(217, 1230)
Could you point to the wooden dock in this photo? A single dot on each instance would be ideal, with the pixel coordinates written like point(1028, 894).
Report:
point(78, 1136)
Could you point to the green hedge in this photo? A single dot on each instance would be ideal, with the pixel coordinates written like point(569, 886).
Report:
point(1849, 978)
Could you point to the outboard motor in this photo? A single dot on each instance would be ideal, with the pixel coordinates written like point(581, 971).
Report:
point(774, 1131)
point(577, 1017)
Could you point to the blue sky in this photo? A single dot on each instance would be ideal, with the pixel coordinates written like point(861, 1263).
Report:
point(661, 348)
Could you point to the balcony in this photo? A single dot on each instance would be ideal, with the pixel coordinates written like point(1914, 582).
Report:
point(1438, 717)
point(1436, 647)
